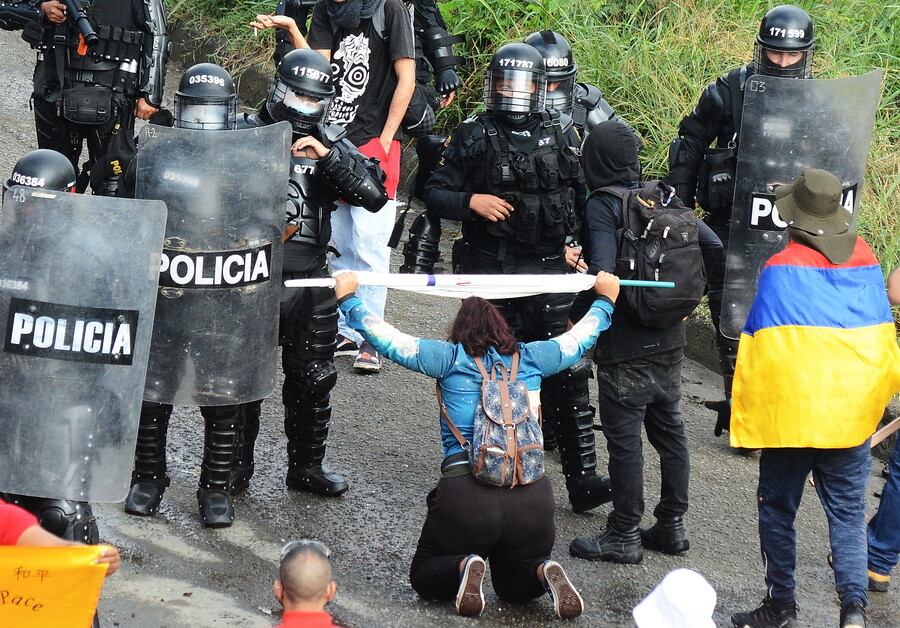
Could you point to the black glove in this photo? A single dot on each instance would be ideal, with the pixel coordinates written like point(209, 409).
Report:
point(723, 409)
point(446, 81)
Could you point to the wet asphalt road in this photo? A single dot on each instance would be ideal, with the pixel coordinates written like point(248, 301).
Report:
point(385, 440)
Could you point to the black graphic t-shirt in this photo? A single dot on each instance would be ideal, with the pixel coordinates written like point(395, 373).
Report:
point(363, 62)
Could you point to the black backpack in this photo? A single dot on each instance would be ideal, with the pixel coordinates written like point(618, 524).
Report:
point(658, 240)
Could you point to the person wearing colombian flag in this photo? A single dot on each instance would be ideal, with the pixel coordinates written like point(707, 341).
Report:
point(817, 364)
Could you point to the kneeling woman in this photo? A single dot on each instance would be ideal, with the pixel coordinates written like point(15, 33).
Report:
point(468, 522)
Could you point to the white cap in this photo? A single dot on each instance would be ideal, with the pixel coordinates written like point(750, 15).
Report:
point(684, 599)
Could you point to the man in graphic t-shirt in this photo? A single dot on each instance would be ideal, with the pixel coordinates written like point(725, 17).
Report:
point(372, 52)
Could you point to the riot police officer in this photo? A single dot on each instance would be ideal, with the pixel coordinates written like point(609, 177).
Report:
point(324, 167)
point(512, 176)
point(783, 48)
point(585, 103)
point(205, 100)
point(97, 70)
point(68, 519)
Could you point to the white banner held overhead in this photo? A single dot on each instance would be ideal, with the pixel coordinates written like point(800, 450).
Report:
point(462, 286)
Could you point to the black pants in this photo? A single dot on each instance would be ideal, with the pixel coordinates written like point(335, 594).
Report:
point(513, 529)
point(644, 392)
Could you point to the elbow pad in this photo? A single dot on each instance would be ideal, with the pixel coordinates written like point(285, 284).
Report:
point(437, 44)
point(357, 179)
point(156, 51)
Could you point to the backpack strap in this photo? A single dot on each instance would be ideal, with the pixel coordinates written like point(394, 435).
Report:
point(453, 429)
point(624, 195)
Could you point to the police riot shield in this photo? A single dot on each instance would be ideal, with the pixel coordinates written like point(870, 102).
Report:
point(215, 333)
point(788, 125)
point(78, 279)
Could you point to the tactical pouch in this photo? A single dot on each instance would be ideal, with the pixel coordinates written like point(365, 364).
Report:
point(87, 105)
point(715, 181)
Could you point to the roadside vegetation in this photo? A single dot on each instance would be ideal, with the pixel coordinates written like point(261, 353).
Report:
point(651, 59)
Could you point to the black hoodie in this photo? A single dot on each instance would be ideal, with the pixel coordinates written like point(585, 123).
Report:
point(610, 157)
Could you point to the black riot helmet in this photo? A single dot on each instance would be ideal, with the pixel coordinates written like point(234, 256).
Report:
point(43, 168)
point(206, 99)
point(559, 66)
point(785, 29)
point(302, 90)
point(515, 81)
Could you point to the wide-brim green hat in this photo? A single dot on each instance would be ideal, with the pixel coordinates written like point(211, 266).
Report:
point(813, 203)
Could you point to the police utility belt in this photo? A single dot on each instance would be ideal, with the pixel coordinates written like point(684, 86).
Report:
point(94, 76)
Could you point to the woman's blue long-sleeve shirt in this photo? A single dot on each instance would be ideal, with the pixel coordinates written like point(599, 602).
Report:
point(457, 372)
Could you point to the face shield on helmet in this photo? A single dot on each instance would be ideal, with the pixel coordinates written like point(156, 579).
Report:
point(560, 67)
point(785, 43)
point(206, 99)
point(515, 81)
point(204, 116)
point(45, 169)
point(302, 90)
point(301, 108)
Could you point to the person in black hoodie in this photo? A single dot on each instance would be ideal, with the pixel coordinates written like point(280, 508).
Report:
point(639, 372)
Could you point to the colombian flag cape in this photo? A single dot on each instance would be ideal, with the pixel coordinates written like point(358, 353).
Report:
point(818, 359)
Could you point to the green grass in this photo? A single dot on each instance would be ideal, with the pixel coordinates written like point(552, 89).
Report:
point(651, 59)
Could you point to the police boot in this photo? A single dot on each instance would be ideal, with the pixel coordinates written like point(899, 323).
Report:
point(306, 428)
point(578, 455)
point(567, 399)
point(221, 422)
point(242, 468)
point(149, 480)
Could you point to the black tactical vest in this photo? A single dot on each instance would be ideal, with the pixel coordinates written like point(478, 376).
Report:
point(539, 184)
point(114, 62)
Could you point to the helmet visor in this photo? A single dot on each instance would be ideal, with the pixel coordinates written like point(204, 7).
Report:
point(302, 109)
point(205, 114)
point(305, 104)
point(561, 94)
point(514, 91)
point(783, 63)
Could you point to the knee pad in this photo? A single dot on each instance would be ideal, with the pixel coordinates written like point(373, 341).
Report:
point(318, 378)
point(308, 382)
point(70, 520)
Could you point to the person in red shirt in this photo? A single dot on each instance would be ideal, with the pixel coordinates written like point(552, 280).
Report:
point(20, 527)
point(304, 585)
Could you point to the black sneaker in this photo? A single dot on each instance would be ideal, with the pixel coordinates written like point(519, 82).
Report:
point(345, 346)
point(853, 616)
point(770, 614)
point(666, 536)
point(878, 583)
point(567, 602)
point(470, 597)
point(610, 545)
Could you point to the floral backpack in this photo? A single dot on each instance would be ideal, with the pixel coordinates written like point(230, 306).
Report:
point(507, 446)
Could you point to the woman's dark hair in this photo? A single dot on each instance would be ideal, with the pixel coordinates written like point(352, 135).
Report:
point(478, 326)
